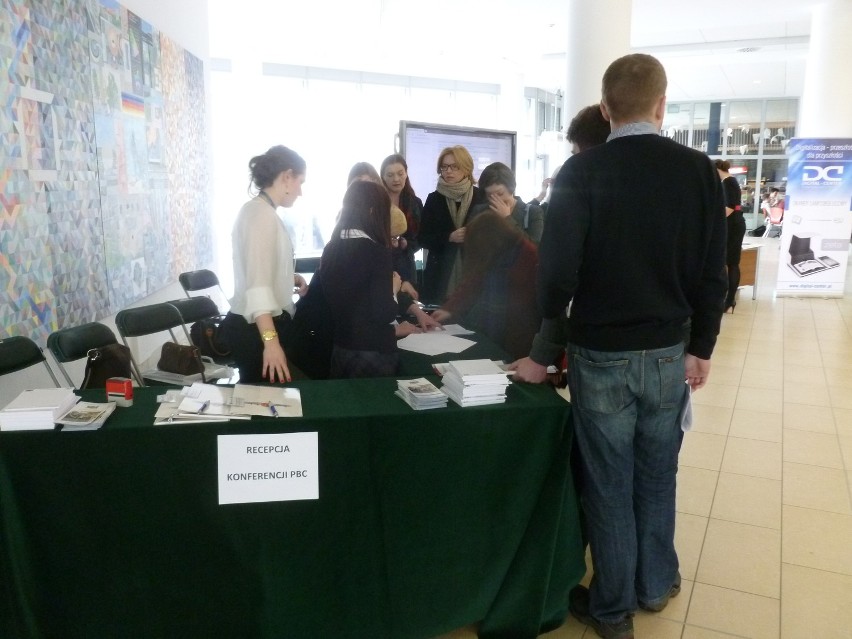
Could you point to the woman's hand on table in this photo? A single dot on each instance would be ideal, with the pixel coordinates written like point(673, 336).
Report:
point(404, 329)
point(275, 362)
point(424, 320)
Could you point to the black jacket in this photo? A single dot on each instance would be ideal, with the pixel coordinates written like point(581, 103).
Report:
point(435, 228)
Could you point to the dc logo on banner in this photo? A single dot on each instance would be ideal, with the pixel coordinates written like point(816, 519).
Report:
point(822, 173)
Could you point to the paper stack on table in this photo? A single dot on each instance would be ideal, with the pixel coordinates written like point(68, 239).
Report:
point(420, 393)
point(37, 409)
point(475, 382)
point(86, 416)
point(214, 403)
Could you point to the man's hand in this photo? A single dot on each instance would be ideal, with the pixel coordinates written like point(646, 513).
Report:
point(526, 370)
point(697, 371)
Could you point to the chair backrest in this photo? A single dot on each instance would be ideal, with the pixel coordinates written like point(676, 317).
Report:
point(74, 342)
point(147, 320)
point(193, 309)
point(198, 280)
point(776, 214)
point(203, 280)
point(19, 352)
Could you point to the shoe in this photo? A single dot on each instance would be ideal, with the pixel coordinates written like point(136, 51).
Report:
point(578, 604)
point(730, 308)
point(674, 591)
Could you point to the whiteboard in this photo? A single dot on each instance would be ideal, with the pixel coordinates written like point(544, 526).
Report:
point(420, 143)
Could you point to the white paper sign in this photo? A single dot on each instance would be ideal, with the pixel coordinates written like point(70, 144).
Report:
point(274, 467)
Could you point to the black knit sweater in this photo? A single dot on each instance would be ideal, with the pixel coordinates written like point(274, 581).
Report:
point(635, 235)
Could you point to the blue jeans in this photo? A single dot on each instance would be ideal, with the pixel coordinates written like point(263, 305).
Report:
point(625, 408)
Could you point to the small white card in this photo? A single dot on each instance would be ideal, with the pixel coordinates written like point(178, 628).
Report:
point(274, 467)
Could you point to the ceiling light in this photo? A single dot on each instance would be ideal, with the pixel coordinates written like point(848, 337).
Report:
point(748, 49)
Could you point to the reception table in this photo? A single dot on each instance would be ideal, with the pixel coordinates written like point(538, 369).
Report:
point(426, 521)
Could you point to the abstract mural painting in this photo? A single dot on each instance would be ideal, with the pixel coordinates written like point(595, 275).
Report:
point(103, 165)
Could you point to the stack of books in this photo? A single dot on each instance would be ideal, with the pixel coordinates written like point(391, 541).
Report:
point(420, 393)
point(37, 409)
point(475, 382)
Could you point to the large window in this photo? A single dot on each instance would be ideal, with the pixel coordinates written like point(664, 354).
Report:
point(751, 134)
point(333, 122)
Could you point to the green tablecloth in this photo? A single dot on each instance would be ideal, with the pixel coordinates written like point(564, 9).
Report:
point(426, 521)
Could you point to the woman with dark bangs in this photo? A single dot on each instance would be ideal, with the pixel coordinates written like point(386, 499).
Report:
point(361, 286)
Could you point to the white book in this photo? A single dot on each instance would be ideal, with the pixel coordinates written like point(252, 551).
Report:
point(479, 401)
point(37, 409)
point(38, 399)
point(473, 371)
point(473, 390)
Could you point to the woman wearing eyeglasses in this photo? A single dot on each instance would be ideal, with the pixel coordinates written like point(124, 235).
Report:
point(445, 215)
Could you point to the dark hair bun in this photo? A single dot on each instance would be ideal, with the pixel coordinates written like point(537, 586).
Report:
point(268, 166)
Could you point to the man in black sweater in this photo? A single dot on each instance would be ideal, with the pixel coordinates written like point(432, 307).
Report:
point(635, 240)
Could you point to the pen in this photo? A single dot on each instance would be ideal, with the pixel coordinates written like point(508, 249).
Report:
point(203, 407)
point(272, 410)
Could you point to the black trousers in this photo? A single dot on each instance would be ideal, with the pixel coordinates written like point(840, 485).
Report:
point(247, 347)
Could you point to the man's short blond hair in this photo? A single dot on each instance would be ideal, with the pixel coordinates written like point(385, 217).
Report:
point(632, 85)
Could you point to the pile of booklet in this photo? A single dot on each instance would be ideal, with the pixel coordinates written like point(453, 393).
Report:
point(420, 393)
point(37, 409)
point(475, 382)
point(86, 416)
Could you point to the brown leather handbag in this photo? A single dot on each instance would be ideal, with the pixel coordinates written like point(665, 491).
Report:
point(181, 359)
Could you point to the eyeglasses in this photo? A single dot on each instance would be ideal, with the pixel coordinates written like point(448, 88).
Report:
point(446, 168)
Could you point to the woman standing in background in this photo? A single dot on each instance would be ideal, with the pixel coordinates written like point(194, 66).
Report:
point(445, 214)
point(264, 274)
point(736, 230)
point(394, 172)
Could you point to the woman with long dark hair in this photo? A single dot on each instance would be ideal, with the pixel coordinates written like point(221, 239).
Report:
point(264, 276)
point(361, 286)
point(736, 230)
point(394, 172)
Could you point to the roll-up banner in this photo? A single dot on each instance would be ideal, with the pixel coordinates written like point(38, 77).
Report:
point(817, 218)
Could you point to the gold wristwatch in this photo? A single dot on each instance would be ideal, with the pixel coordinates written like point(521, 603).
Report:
point(268, 336)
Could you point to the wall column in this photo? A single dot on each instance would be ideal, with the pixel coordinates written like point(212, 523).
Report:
point(826, 109)
point(598, 33)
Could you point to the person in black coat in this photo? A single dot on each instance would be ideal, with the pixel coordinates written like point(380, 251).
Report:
point(445, 215)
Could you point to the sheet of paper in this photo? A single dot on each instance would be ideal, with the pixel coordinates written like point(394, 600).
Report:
point(217, 399)
point(456, 329)
point(434, 343)
point(267, 401)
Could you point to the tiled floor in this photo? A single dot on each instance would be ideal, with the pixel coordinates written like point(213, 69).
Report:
point(764, 529)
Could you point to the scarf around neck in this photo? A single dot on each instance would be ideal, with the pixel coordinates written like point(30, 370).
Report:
point(463, 191)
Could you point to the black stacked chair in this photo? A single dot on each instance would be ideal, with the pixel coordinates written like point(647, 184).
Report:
point(148, 320)
point(19, 352)
point(74, 342)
